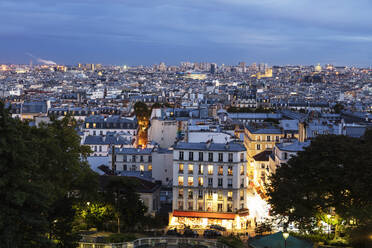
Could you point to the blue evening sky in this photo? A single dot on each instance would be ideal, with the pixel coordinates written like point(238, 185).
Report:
point(133, 32)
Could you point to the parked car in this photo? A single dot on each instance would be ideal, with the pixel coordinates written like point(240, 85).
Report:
point(211, 233)
point(173, 232)
point(218, 227)
point(190, 233)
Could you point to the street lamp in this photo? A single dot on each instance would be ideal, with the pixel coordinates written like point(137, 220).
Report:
point(285, 236)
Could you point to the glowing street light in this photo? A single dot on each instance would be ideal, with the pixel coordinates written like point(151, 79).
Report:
point(285, 236)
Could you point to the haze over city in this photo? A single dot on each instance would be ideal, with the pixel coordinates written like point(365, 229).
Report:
point(221, 31)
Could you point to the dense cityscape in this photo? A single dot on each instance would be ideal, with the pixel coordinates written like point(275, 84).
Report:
point(166, 154)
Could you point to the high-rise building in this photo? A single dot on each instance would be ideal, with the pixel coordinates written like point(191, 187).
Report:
point(213, 68)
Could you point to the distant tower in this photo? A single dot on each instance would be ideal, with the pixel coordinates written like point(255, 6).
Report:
point(213, 68)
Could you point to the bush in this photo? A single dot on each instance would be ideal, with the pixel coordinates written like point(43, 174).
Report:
point(121, 237)
point(231, 241)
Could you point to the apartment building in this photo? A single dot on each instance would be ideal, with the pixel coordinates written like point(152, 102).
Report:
point(210, 186)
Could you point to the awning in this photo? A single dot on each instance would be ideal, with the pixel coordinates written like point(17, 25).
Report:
point(209, 215)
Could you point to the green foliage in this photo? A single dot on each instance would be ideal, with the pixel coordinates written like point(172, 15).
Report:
point(120, 193)
point(42, 173)
point(332, 173)
point(232, 241)
point(141, 110)
point(95, 214)
point(121, 237)
point(338, 108)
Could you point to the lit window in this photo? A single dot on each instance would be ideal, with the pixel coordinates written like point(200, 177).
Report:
point(180, 181)
point(200, 180)
point(142, 168)
point(180, 168)
point(149, 168)
point(210, 169)
point(242, 170)
point(86, 125)
point(229, 195)
point(191, 168)
point(190, 181)
point(94, 125)
point(200, 171)
point(230, 170)
point(220, 170)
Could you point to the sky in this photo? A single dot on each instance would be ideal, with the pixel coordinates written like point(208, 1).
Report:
point(134, 32)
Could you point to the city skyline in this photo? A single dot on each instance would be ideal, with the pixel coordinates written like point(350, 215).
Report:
point(141, 32)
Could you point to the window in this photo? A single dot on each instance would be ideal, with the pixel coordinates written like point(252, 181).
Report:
point(268, 138)
point(242, 157)
point(229, 195)
point(191, 205)
point(230, 157)
point(142, 168)
point(94, 125)
point(241, 195)
point(229, 183)
point(210, 169)
point(210, 157)
point(210, 182)
point(180, 180)
point(285, 155)
point(180, 170)
point(180, 155)
point(210, 194)
point(133, 158)
point(219, 195)
point(220, 157)
point(149, 167)
point(180, 205)
point(86, 125)
point(191, 167)
point(262, 166)
point(219, 207)
point(141, 158)
point(242, 170)
point(258, 147)
point(200, 181)
point(201, 156)
point(277, 138)
point(230, 170)
point(191, 156)
point(150, 158)
point(200, 206)
point(200, 195)
point(220, 182)
point(220, 170)
point(200, 169)
point(229, 207)
point(242, 183)
point(190, 181)
point(125, 158)
point(190, 194)
point(180, 193)
point(134, 167)
point(125, 167)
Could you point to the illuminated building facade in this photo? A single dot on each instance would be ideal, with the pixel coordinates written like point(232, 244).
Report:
point(210, 186)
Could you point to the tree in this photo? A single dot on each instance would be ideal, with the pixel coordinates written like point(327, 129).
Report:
point(120, 193)
point(332, 174)
point(43, 171)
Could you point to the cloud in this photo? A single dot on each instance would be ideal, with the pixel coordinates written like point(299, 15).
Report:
point(252, 27)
